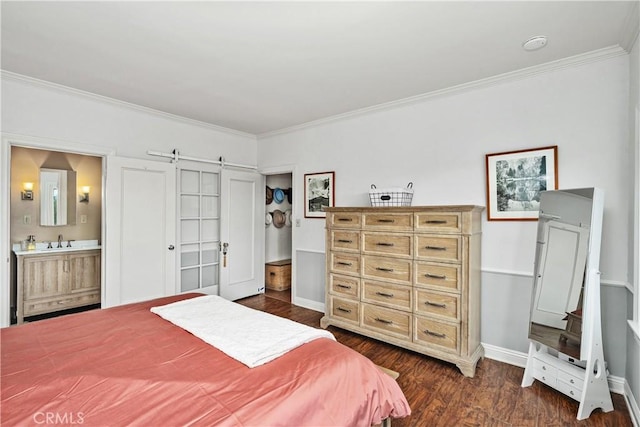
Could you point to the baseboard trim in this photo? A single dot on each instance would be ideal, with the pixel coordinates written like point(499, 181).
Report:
point(632, 404)
point(517, 358)
point(307, 303)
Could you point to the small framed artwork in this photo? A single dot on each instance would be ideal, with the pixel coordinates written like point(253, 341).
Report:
point(515, 180)
point(319, 191)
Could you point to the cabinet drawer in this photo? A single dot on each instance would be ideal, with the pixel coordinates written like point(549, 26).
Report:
point(345, 263)
point(345, 309)
point(436, 222)
point(387, 244)
point(393, 296)
point(387, 321)
point(348, 241)
point(568, 389)
point(433, 332)
point(545, 377)
point(545, 368)
point(571, 380)
point(438, 276)
point(437, 304)
point(344, 285)
point(438, 248)
point(33, 307)
point(388, 221)
point(344, 219)
point(394, 269)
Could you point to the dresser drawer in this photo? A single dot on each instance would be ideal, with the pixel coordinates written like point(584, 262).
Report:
point(436, 222)
point(344, 285)
point(437, 276)
point(572, 380)
point(387, 321)
point(344, 219)
point(344, 309)
point(433, 332)
point(438, 248)
point(345, 263)
point(394, 269)
point(348, 241)
point(438, 304)
point(387, 221)
point(393, 296)
point(568, 389)
point(545, 368)
point(394, 244)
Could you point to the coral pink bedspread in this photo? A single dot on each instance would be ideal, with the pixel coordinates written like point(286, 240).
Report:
point(127, 366)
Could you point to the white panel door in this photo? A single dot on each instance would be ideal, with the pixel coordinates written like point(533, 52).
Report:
point(242, 210)
point(140, 230)
point(558, 285)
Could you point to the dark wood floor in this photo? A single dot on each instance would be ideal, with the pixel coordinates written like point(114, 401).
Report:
point(440, 395)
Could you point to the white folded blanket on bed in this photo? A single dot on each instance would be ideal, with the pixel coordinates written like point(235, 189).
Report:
point(250, 336)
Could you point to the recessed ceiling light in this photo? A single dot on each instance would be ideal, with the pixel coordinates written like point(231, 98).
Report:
point(535, 43)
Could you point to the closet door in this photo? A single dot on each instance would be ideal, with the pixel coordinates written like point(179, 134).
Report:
point(199, 228)
point(242, 210)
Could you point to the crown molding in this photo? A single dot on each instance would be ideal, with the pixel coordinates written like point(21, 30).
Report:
point(9, 75)
point(631, 28)
point(572, 61)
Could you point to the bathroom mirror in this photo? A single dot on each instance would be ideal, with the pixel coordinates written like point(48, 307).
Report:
point(563, 256)
point(57, 197)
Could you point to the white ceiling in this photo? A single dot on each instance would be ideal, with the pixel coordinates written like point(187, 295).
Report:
point(259, 67)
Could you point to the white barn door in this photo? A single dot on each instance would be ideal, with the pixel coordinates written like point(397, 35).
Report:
point(140, 197)
point(242, 212)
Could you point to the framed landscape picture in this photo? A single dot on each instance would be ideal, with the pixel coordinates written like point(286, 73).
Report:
point(319, 190)
point(515, 180)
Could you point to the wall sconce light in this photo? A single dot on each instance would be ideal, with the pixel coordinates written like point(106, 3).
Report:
point(84, 197)
point(27, 193)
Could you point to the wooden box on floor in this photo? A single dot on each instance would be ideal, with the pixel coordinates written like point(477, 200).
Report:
point(278, 275)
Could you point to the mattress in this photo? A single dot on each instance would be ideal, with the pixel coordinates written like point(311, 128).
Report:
point(127, 366)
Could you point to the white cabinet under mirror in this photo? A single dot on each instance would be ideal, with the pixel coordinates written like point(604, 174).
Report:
point(565, 350)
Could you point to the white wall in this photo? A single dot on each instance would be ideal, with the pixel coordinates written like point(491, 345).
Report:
point(70, 119)
point(440, 145)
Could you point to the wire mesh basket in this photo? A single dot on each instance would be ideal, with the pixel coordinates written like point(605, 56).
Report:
point(391, 196)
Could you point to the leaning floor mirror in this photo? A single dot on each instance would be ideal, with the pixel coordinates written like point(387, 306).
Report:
point(565, 333)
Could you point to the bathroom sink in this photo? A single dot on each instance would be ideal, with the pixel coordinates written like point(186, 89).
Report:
point(41, 248)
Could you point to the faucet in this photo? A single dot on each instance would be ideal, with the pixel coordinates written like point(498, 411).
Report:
point(59, 240)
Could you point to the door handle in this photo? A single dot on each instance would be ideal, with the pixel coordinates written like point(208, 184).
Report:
point(171, 247)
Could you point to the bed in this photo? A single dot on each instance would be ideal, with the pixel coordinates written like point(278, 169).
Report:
point(128, 366)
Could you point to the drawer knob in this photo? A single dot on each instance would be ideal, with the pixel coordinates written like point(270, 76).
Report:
point(385, 321)
point(571, 381)
point(436, 304)
point(435, 334)
point(272, 273)
point(384, 294)
point(384, 244)
point(436, 221)
point(340, 285)
point(544, 368)
point(386, 270)
point(345, 219)
point(346, 310)
point(435, 248)
point(435, 276)
point(345, 241)
point(387, 220)
point(345, 263)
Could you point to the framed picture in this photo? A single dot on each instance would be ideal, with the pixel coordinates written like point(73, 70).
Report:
point(515, 180)
point(319, 190)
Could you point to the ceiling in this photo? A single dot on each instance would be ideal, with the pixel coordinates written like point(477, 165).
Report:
point(260, 67)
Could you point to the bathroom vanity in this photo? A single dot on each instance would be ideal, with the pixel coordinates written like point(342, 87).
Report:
point(56, 279)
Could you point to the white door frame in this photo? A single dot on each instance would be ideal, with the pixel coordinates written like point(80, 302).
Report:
point(277, 170)
point(9, 140)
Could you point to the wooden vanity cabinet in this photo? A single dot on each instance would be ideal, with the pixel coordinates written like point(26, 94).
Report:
point(57, 281)
point(409, 276)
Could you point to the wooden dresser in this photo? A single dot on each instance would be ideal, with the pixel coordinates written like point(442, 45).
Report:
point(409, 276)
